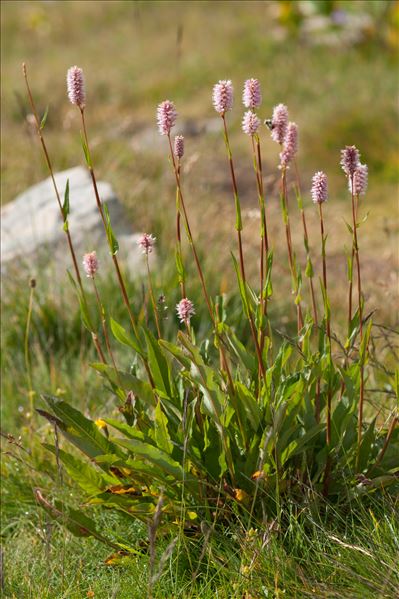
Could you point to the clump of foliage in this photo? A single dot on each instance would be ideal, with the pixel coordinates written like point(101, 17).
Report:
point(226, 429)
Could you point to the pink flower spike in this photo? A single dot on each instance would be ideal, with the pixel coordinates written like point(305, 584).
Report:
point(90, 264)
point(146, 242)
point(179, 146)
point(222, 96)
point(76, 87)
point(279, 123)
point(360, 180)
point(252, 97)
point(250, 123)
point(166, 117)
point(185, 310)
point(319, 188)
point(290, 146)
point(350, 160)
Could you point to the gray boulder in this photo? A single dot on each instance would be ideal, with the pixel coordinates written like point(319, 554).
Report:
point(32, 228)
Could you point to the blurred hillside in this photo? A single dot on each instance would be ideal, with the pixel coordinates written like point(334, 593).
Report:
point(333, 63)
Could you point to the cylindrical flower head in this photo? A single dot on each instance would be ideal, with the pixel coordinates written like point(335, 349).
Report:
point(222, 96)
point(185, 310)
point(350, 160)
point(250, 123)
point(319, 188)
point(279, 123)
point(360, 180)
point(90, 264)
point(166, 117)
point(252, 96)
point(290, 144)
point(179, 146)
point(76, 86)
point(146, 242)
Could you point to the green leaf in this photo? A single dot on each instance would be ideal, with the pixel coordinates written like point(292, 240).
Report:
point(121, 335)
point(162, 437)
point(241, 286)
point(112, 241)
point(249, 405)
point(85, 151)
point(365, 458)
point(88, 478)
point(84, 308)
point(309, 268)
point(177, 352)
point(154, 455)
point(158, 364)
point(299, 445)
point(141, 389)
point(65, 205)
point(77, 522)
point(44, 119)
point(81, 431)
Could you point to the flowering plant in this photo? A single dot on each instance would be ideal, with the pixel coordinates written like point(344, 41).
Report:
point(223, 429)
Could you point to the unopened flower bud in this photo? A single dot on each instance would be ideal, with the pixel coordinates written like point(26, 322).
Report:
point(179, 146)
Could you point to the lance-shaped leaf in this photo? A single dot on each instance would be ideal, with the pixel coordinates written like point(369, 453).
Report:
point(112, 241)
point(81, 431)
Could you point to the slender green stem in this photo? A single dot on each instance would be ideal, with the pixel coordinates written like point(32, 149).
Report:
point(151, 291)
point(328, 328)
point(198, 264)
point(28, 365)
point(310, 277)
point(178, 238)
point(360, 304)
point(105, 330)
point(50, 169)
point(58, 197)
point(264, 242)
point(240, 248)
point(114, 258)
point(291, 255)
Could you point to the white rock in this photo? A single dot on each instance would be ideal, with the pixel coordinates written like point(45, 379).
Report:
point(32, 227)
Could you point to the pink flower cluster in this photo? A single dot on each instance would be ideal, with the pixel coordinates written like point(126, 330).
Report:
point(360, 180)
point(319, 188)
point(350, 160)
point(279, 123)
point(250, 123)
point(76, 86)
point(166, 117)
point(222, 96)
point(290, 146)
point(90, 264)
point(252, 97)
point(185, 310)
point(146, 242)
